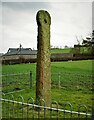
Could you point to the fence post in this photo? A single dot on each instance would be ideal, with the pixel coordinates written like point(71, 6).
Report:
point(30, 79)
point(59, 75)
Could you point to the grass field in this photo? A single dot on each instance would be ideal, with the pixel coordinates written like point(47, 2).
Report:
point(75, 90)
point(81, 67)
point(57, 50)
point(83, 50)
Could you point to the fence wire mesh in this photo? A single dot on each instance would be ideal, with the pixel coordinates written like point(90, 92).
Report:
point(16, 82)
point(27, 110)
point(20, 108)
point(76, 81)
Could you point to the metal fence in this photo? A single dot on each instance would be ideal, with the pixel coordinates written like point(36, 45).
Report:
point(27, 109)
point(20, 81)
point(75, 81)
point(16, 82)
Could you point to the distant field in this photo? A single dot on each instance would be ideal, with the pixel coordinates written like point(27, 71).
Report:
point(83, 50)
point(57, 50)
point(74, 89)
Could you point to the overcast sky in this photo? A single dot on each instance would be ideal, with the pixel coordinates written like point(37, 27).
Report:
point(68, 20)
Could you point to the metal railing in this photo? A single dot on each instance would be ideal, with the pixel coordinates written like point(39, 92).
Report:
point(27, 109)
point(63, 79)
point(17, 82)
point(20, 108)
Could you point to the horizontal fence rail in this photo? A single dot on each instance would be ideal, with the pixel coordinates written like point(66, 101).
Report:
point(12, 108)
point(13, 74)
point(49, 108)
point(42, 111)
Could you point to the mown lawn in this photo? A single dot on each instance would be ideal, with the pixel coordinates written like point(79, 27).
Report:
point(74, 90)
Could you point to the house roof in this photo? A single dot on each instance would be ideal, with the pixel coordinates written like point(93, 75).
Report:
point(21, 51)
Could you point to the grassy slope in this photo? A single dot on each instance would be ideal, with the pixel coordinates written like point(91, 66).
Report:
point(76, 97)
point(84, 66)
point(81, 67)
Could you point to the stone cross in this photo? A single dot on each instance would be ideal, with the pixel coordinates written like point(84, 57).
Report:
point(43, 72)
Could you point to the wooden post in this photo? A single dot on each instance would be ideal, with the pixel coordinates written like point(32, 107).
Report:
point(43, 72)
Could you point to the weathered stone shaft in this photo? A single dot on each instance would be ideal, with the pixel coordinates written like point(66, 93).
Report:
point(43, 72)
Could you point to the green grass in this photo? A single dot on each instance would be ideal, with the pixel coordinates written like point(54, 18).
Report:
point(83, 50)
point(18, 68)
point(57, 50)
point(74, 89)
point(81, 67)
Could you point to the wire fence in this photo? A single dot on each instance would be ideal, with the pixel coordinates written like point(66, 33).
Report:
point(71, 81)
point(16, 82)
point(27, 109)
point(20, 81)
point(21, 108)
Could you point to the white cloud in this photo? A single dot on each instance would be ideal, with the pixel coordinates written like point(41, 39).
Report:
point(46, 0)
point(67, 20)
